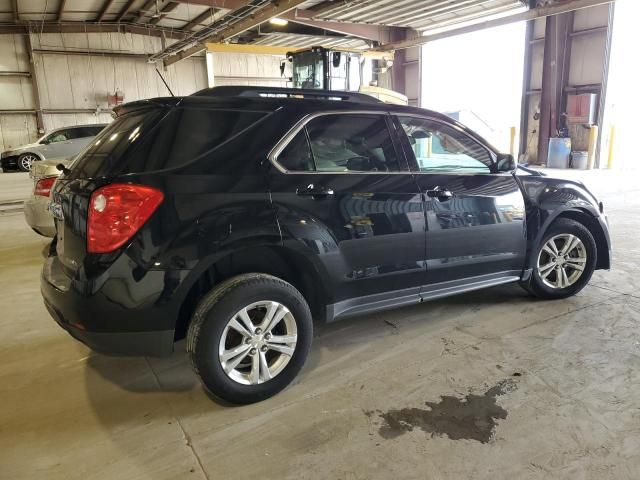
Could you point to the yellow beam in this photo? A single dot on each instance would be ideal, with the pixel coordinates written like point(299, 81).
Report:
point(591, 152)
point(612, 140)
point(248, 48)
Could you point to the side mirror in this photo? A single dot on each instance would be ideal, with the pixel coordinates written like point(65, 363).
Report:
point(506, 163)
point(359, 164)
point(336, 59)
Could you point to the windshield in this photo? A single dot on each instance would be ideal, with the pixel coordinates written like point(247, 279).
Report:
point(308, 70)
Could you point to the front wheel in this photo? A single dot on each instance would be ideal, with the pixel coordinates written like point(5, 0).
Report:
point(564, 261)
point(249, 337)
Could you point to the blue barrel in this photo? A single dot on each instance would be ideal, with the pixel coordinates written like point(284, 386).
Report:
point(559, 153)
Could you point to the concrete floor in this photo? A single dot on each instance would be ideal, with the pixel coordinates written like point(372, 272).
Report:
point(560, 379)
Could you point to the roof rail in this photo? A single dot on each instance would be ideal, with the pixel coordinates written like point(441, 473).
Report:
point(277, 92)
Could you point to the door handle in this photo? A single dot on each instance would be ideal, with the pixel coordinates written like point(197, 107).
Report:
point(314, 191)
point(440, 193)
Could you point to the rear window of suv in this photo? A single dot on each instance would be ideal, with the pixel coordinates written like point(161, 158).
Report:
point(159, 139)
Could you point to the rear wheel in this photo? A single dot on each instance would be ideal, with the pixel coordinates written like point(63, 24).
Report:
point(25, 161)
point(249, 337)
point(564, 260)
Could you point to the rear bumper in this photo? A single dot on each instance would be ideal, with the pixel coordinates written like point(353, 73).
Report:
point(38, 216)
point(154, 344)
point(98, 322)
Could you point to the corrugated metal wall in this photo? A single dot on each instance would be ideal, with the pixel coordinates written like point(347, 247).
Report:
point(586, 68)
point(15, 93)
point(82, 82)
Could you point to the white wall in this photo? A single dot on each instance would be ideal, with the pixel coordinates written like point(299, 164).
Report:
point(247, 69)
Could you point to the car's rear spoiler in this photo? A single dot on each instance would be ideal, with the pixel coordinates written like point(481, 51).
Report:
point(120, 110)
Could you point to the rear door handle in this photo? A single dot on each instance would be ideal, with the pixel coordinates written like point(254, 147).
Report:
point(440, 193)
point(314, 191)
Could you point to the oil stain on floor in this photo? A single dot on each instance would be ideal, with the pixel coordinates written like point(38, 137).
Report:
point(473, 417)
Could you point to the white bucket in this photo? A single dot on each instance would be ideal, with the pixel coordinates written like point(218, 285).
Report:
point(580, 160)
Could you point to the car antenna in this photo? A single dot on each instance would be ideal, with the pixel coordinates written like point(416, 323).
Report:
point(165, 82)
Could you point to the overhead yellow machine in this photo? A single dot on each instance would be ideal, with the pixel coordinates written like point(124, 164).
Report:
point(323, 68)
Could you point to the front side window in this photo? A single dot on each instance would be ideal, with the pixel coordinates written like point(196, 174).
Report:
point(440, 147)
point(55, 137)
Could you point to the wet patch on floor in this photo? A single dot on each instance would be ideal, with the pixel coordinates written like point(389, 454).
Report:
point(473, 417)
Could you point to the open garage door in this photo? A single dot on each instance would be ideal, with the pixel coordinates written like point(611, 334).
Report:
point(477, 79)
point(619, 147)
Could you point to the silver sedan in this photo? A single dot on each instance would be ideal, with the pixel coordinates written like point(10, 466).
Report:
point(36, 206)
point(61, 143)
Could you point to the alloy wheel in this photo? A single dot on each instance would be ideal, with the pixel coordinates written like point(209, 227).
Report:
point(561, 261)
point(258, 342)
point(26, 161)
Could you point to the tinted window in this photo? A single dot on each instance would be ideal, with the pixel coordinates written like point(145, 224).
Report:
point(72, 133)
point(107, 149)
point(297, 154)
point(84, 132)
point(440, 147)
point(340, 143)
point(160, 139)
point(186, 134)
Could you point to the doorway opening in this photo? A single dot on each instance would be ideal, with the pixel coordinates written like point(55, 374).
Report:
point(476, 78)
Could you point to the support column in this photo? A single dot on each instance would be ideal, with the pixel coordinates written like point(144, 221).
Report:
point(556, 42)
point(211, 79)
point(34, 83)
point(526, 84)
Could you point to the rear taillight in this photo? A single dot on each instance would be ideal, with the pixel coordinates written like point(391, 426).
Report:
point(44, 186)
point(117, 212)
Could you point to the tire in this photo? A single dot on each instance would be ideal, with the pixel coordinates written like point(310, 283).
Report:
point(546, 280)
point(210, 335)
point(25, 161)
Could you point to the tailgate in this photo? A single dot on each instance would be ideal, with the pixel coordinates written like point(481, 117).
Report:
point(69, 203)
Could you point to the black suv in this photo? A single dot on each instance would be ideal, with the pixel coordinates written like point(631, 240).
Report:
point(235, 216)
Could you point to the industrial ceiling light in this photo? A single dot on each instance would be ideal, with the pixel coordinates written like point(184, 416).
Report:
point(280, 22)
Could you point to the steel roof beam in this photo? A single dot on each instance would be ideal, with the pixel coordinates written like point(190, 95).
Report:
point(206, 15)
point(532, 14)
point(143, 11)
point(16, 12)
point(262, 15)
point(368, 32)
point(219, 4)
point(84, 27)
point(168, 8)
point(124, 10)
point(103, 11)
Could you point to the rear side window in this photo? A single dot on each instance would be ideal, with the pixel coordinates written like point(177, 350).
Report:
point(84, 132)
point(296, 156)
point(342, 143)
point(186, 134)
point(161, 139)
point(107, 150)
